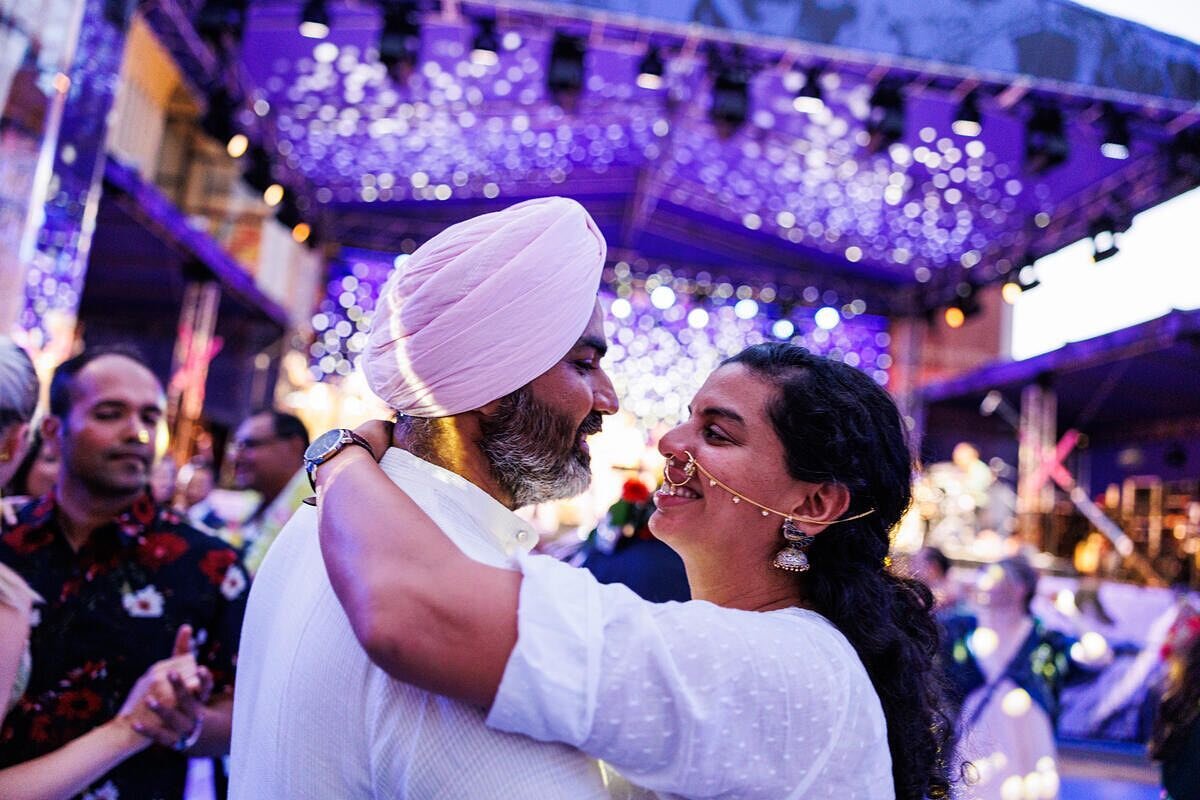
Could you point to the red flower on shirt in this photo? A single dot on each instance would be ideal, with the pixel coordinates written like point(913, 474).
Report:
point(158, 549)
point(39, 728)
point(142, 510)
point(78, 704)
point(216, 563)
point(27, 538)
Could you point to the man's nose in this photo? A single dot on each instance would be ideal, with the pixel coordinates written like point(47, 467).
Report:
point(604, 397)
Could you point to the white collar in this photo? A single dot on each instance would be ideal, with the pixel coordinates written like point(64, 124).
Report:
point(512, 534)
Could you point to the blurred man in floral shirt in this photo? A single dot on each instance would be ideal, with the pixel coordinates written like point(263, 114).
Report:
point(119, 576)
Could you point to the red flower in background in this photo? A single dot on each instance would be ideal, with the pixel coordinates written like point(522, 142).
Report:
point(634, 491)
point(216, 563)
point(158, 549)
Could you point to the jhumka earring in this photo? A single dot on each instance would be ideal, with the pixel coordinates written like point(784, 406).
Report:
point(792, 558)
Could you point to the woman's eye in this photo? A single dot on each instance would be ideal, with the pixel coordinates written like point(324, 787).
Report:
point(715, 435)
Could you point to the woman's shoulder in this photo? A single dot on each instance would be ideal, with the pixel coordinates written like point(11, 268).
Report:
point(14, 591)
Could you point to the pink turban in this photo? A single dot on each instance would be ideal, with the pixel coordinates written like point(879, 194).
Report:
point(484, 307)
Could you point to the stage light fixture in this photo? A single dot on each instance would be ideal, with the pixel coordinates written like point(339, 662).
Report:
point(731, 91)
point(967, 121)
point(1046, 143)
point(400, 37)
point(811, 98)
point(650, 70)
point(1104, 233)
point(885, 124)
point(485, 50)
point(564, 73)
point(314, 20)
point(1116, 134)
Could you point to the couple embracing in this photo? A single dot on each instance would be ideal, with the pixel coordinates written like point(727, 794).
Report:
point(415, 648)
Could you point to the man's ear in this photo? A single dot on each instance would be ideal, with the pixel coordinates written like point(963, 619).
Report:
point(824, 505)
point(51, 429)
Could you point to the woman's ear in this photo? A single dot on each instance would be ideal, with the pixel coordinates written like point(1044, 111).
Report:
point(14, 443)
point(825, 504)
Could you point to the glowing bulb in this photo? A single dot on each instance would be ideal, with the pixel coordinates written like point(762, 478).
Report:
point(955, 317)
point(1016, 703)
point(621, 308)
point(237, 146)
point(697, 318)
point(301, 232)
point(1064, 602)
point(313, 30)
point(827, 318)
point(1011, 292)
point(984, 642)
point(1094, 646)
point(783, 329)
point(745, 309)
point(662, 297)
point(273, 196)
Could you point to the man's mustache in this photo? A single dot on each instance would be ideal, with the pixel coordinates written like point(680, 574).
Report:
point(592, 423)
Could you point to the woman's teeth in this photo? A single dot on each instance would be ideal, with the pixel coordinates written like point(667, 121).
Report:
point(679, 491)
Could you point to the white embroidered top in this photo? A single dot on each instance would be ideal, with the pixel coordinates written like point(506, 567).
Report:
point(691, 699)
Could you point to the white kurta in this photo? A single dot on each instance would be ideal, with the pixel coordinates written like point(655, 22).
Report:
point(691, 699)
point(314, 718)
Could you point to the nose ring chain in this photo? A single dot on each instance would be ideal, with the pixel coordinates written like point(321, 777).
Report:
point(692, 466)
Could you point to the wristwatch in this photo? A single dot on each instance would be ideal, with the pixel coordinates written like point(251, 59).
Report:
point(328, 445)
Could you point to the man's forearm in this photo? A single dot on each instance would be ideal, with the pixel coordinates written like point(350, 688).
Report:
point(218, 724)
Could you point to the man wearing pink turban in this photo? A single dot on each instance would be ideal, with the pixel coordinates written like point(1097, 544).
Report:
point(487, 342)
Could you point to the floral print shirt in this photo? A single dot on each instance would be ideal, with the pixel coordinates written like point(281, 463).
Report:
point(110, 611)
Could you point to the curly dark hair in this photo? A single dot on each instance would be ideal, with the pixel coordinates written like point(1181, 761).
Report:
point(1180, 705)
point(838, 426)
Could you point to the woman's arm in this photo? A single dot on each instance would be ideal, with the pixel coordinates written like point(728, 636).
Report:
point(14, 628)
point(70, 769)
point(424, 612)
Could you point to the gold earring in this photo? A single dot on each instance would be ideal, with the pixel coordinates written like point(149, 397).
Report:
point(792, 557)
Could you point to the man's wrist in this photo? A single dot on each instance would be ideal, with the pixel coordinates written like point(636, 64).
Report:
point(188, 741)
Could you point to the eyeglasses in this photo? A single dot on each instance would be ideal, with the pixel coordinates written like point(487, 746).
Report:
point(251, 444)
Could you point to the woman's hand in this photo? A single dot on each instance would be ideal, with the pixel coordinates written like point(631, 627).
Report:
point(165, 704)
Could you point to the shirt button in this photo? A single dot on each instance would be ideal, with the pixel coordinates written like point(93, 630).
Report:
point(522, 536)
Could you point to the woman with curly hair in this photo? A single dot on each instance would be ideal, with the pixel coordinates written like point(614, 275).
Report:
point(804, 667)
point(1175, 740)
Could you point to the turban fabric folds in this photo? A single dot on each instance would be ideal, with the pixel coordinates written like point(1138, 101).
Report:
point(484, 307)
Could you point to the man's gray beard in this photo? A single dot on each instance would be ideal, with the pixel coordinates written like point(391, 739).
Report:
point(534, 451)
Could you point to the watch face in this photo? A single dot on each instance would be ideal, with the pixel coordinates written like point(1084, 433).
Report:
point(324, 444)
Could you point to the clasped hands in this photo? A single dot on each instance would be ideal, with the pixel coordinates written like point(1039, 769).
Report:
point(166, 703)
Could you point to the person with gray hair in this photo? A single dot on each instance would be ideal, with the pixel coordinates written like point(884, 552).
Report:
point(18, 400)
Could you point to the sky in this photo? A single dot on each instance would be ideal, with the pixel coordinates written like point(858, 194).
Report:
point(1158, 266)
